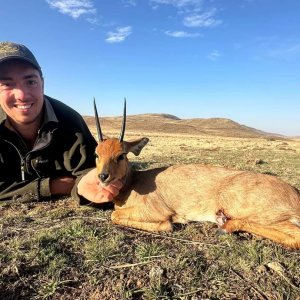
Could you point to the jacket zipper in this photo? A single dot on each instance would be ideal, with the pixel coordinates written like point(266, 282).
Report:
point(23, 170)
point(22, 167)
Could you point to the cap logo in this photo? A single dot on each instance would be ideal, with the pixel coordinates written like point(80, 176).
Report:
point(8, 48)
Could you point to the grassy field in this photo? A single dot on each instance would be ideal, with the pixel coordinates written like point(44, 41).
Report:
point(58, 250)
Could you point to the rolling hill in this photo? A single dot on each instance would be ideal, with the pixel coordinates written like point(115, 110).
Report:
point(169, 124)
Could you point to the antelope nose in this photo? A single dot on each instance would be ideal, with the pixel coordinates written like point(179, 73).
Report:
point(103, 176)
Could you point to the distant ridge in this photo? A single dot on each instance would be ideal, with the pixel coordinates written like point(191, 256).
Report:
point(166, 123)
point(167, 116)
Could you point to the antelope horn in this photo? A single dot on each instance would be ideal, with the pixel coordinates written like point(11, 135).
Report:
point(123, 123)
point(100, 136)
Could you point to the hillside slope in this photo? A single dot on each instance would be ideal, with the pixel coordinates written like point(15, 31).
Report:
point(164, 123)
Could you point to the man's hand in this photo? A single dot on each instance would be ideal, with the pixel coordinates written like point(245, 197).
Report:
point(61, 186)
point(89, 187)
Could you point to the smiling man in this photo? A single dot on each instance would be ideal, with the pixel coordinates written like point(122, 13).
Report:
point(45, 146)
point(22, 99)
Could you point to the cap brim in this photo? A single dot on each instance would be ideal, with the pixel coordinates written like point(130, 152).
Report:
point(8, 58)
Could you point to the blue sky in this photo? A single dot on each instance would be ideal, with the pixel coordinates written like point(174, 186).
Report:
point(236, 59)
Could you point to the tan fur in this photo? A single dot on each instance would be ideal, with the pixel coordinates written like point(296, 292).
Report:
point(236, 200)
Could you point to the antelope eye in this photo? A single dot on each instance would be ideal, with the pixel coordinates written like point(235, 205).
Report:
point(121, 157)
point(97, 156)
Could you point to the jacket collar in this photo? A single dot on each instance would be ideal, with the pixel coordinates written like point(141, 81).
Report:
point(49, 114)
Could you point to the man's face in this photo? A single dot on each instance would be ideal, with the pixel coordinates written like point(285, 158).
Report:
point(21, 92)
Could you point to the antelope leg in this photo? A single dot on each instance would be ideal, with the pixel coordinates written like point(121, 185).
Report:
point(131, 218)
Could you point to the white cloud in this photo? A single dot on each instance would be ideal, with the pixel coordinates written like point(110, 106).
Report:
point(119, 35)
point(214, 55)
point(273, 47)
point(205, 19)
point(284, 52)
point(179, 3)
point(181, 34)
point(129, 2)
point(73, 8)
point(93, 20)
point(295, 49)
point(193, 12)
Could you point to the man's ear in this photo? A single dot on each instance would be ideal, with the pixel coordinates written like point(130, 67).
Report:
point(135, 146)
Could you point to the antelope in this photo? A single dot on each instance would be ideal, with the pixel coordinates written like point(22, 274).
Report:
point(235, 200)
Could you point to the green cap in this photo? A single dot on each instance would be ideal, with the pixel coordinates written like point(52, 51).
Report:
point(10, 51)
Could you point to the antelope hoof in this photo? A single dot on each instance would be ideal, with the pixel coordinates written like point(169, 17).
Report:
point(165, 226)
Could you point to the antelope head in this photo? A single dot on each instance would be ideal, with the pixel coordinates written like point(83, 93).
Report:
point(111, 153)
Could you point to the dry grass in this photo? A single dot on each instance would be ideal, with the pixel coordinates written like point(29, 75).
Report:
point(57, 250)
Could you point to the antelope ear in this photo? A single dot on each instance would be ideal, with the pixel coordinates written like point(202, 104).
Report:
point(135, 146)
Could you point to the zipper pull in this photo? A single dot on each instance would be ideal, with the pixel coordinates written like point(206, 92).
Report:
point(22, 171)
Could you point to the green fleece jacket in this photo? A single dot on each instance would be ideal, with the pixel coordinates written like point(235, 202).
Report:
point(64, 147)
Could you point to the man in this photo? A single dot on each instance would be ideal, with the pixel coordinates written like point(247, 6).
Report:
point(46, 149)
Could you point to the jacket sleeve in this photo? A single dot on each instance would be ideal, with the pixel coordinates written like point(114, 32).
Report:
point(25, 191)
point(84, 146)
point(87, 150)
point(81, 155)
